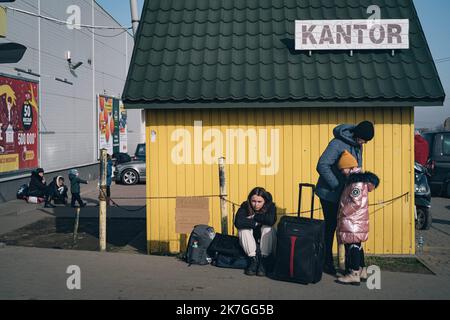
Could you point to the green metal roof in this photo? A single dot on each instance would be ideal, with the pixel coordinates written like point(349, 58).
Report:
point(193, 51)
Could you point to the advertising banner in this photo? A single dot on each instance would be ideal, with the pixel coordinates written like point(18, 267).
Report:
point(106, 123)
point(19, 109)
point(123, 128)
point(115, 129)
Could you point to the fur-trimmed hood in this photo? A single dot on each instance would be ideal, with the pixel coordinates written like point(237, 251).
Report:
point(366, 177)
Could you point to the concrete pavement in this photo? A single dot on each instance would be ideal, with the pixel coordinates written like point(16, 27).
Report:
point(31, 273)
point(18, 213)
point(36, 273)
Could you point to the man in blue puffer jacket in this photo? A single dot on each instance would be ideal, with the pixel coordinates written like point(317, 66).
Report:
point(331, 181)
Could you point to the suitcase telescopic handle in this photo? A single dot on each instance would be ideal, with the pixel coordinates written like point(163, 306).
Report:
point(306, 185)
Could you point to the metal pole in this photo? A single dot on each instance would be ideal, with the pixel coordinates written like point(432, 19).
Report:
point(223, 194)
point(75, 229)
point(134, 16)
point(102, 200)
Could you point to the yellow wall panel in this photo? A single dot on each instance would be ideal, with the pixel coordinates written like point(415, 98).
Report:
point(303, 134)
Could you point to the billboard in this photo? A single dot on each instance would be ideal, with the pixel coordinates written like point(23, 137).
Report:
point(19, 110)
point(352, 34)
point(112, 119)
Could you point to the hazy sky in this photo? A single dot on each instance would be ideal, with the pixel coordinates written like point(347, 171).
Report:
point(120, 9)
point(434, 16)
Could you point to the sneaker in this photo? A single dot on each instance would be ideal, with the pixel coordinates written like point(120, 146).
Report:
point(49, 205)
point(252, 267)
point(352, 278)
point(83, 205)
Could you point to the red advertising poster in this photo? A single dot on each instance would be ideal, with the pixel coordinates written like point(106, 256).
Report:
point(19, 107)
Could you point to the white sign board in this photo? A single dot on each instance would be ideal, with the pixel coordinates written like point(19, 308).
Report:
point(352, 34)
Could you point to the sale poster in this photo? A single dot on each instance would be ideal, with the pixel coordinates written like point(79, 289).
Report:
point(19, 109)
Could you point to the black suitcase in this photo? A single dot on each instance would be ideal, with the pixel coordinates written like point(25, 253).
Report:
point(300, 247)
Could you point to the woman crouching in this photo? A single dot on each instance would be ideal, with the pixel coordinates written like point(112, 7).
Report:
point(254, 221)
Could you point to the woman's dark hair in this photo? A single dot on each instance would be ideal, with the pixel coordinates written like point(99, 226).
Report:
point(261, 192)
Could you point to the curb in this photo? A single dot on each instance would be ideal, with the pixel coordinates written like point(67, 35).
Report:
point(25, 207)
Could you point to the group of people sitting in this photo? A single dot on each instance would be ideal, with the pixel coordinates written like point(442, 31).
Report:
point(55, 191)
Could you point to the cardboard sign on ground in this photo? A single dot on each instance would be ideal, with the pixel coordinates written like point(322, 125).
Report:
point(189, 212)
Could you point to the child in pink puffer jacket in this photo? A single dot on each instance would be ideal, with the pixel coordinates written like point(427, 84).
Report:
point(353, 217)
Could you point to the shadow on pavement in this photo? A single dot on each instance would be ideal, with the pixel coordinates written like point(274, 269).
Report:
point(439, 221)
point(123, 230)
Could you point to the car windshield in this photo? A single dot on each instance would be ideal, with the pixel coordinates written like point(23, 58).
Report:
point(446, 145)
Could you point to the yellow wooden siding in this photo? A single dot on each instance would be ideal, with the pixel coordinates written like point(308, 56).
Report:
point(303, 136)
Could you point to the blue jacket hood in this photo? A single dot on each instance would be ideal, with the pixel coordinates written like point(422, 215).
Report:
point(344, 132)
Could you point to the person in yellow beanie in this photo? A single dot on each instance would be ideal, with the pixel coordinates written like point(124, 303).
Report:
point(353, 217)
point(331, 181)
point(347, 161)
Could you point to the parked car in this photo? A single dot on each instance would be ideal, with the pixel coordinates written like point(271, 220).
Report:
point(139, 154)
point(120, 157)
point(130, 173)
point(439, 162)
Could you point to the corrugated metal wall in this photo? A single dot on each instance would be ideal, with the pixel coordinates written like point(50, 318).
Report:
point(68, 113)
point(303, 136)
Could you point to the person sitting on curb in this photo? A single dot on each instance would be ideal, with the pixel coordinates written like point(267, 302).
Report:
point(75, 188)
point(353, 216)
point(38, 187)
point(255, 220)
point(57, 191)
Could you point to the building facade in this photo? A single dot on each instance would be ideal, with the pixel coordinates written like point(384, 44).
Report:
point(68, 134)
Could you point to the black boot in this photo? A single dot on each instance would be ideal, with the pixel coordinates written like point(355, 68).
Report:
point(329, 268)
point(48, 203)
point(252, 267)
point(261, 268)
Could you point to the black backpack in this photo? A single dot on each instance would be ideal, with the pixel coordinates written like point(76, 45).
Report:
point(199, 241)
point(226, 252)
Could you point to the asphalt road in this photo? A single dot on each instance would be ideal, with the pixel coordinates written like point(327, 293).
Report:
point(436, 251)
point(37, 273)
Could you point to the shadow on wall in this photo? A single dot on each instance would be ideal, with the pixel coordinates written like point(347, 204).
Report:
point(158, 247)
point(161, 247)
point(266, 110)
